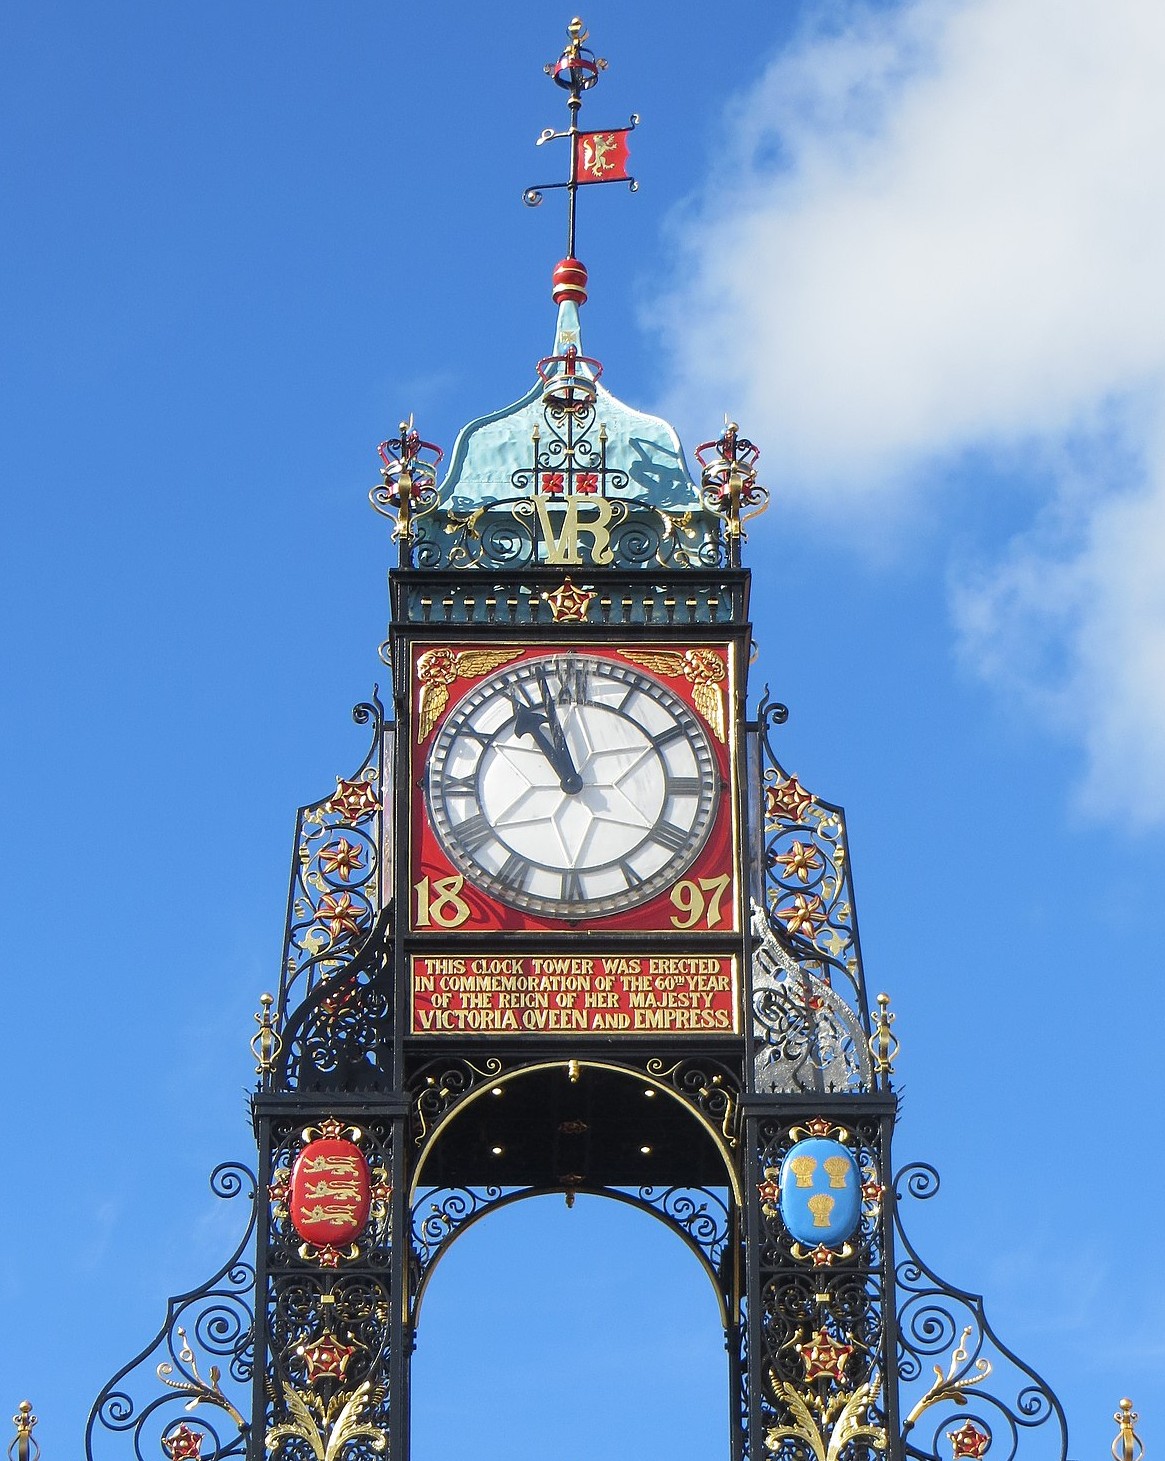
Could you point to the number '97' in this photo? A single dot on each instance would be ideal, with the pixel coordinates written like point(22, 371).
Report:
point(700, 900)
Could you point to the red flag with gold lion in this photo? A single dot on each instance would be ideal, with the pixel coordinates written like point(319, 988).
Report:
point(601, 157)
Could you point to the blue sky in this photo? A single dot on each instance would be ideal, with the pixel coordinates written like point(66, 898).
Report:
point(915, 251)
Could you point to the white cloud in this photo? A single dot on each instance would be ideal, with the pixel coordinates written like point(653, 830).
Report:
point(941, 227)
point(1073, 622)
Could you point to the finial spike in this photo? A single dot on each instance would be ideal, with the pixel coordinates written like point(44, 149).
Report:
point(24, 1445)
point(595, 157)
point(728, 484)
point(1127, 1446)
point(266, 1043)
point(883, 1042)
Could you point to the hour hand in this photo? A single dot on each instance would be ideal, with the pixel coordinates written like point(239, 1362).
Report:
point(541, 724)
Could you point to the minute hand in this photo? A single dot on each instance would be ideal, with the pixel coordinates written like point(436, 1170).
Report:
point(537, 724)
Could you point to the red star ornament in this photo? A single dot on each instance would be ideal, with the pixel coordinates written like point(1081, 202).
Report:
point(568, 604)
point(183, 1444)
point(353, 800)
point(969, 1441)
point(326, 1358)
point(824, 1358)
point(788, 800)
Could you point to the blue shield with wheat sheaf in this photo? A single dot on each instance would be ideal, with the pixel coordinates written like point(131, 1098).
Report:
point(821, 1192)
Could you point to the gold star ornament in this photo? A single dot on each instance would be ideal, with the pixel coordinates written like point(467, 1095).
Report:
point(569, 604)
point(801, 860)
point(342, 858)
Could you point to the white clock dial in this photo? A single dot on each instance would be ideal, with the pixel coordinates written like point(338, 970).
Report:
point(572, 785)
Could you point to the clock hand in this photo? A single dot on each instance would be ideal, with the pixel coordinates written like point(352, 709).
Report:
point(545, 729)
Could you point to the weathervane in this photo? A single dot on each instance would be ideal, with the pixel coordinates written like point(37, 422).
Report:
point(595, 157)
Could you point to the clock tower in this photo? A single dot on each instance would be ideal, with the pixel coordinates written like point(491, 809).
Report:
point(571, 927)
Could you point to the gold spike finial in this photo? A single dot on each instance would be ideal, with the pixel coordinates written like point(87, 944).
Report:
point(265, 1042)
point(24, 1445)
point(1127, 1446)
point(883, 1042)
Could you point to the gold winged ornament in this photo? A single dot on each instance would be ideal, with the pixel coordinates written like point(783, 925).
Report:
point(704, 670)
point(438, 668)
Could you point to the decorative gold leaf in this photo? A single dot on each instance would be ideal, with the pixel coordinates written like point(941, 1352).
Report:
point(952, 1386)
point(806, 1428)
point(660, 662)
point(346, 1427)
point(432, 701)
point(849, 1426)
point(710, 703)
point(471, 662)
point(201, 1392)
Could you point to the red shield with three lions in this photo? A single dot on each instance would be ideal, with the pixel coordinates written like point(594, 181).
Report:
point(330, 1192)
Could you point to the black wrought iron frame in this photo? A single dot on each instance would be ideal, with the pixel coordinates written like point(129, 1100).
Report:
point(336, 1048)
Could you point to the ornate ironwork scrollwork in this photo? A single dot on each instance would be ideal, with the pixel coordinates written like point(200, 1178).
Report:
point(711, 1088)
point(215, 1321)
point(439, 1214)
point(570, 456)
point(338, 1038)
point(809, 898)
point(328, 1308)
point(699, 1215)
point(569, 506)
point(983, 1396)
point(822, 1322)
point(805, 1037)
point(440, 1084)
point(408, 486)
point(728, 485)
point(335, 893)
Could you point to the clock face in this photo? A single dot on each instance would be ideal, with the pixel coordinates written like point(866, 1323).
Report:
point(570, 784)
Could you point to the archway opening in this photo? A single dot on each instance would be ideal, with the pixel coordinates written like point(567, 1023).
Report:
point(580, 1332)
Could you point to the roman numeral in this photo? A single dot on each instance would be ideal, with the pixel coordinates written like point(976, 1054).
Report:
point(631, 878)
point(572, 888)
point(470, 733)
point(513, 872)
point(665, 738)
point(474, 833)
point(574, 682)
point(668, 835)
point(683, 786)
point(459, 786)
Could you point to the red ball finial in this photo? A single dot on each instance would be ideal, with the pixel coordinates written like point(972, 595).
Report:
point(569, 282)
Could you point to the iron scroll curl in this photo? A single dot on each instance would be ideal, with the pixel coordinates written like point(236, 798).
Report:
point(150, 1397)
